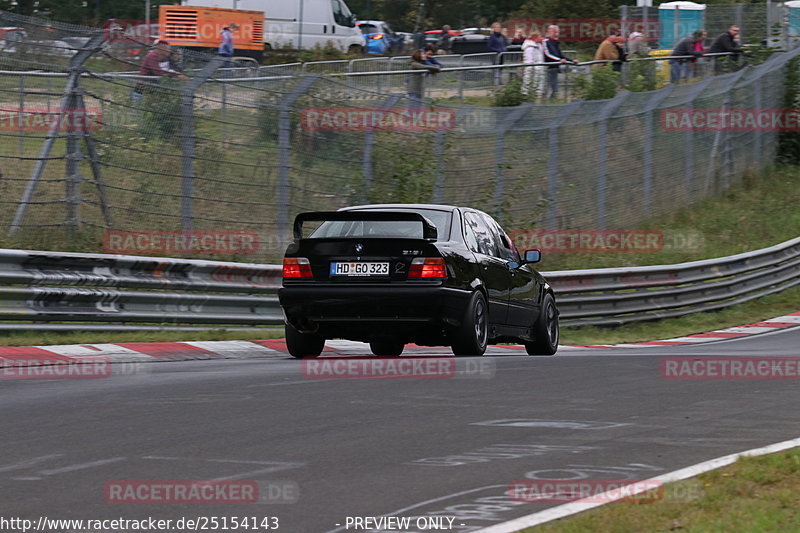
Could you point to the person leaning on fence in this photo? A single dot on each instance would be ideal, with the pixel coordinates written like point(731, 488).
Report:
point(679, 68)
point(416, 80)
point(429, 56)
point(155, 63)
point(727, 42)
point(637, 46)
point(700, 49)
point(610, 50)
point(553, 55)
point(533, 53)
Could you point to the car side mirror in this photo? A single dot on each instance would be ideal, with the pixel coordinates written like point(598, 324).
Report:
point(533, 256)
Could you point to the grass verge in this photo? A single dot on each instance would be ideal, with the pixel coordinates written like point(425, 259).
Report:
point(754, 494)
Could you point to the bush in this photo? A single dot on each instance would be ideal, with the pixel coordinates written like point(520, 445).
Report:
point(161, 106)
point(510, 94)
point(603, 84)
point(641, 76)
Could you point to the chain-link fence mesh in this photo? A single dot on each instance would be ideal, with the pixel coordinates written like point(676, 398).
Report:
point(213, 151)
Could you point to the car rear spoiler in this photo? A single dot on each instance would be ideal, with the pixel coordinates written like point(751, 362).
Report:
point(429, 231)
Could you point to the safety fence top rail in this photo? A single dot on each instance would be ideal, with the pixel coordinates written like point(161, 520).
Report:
point(233, 80)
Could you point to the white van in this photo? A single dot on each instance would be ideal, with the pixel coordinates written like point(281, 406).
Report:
point(300, 24)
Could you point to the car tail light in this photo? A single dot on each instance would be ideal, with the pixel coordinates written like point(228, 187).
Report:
point(377, 36)
point(297, 268)
point(428, 268)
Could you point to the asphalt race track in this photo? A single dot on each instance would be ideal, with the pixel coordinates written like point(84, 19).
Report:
point(341, 448)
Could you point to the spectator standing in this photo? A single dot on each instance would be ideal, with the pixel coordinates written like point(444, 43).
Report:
point(497, 41)
point(553, 55)
point(226, 46)
point(637, 45)
point(679, 68)
point(155, 63)
point(533, 77)
point(611, 50)
point(416, 81)
point(518, 39)
point(726, 42)
point(497, 44)
point(445, 42)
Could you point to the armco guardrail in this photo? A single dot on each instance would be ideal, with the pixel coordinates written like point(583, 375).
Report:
point(47, 289)
point(615, 296)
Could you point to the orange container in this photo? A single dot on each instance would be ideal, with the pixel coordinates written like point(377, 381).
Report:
point(200, 27)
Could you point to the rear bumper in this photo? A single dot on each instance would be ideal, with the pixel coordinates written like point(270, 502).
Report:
point(360, 312)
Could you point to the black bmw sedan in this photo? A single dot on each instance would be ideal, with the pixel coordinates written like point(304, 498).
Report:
point(394, 274)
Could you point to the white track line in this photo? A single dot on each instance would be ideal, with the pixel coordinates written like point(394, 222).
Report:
point(579, 506)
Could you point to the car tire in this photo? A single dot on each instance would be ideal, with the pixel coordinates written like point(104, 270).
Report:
point(356, 50)
point(472, 336)
point(545, 329)
point(387, 348)
point(303, 344)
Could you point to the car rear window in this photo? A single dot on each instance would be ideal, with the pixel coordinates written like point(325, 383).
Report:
point(368, 28)
point(382, 229)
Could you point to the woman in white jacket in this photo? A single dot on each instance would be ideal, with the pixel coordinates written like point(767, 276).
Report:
point(533, 77)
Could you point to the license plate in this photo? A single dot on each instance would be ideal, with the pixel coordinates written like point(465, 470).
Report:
point(359, 268)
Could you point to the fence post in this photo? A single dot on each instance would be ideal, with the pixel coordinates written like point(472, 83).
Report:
point(187, 137)
point(21, 137)
point(72, 191)
point(552, 161)
point(602, 138)
point(647, 155)
point(284, 150)
point(369, 144)
point(688, 137)
point(461, 79)
point(499, 156)
point(738, 18)
point(73, 82)
point(758, 141)
point(439, 149)
point(624, 21)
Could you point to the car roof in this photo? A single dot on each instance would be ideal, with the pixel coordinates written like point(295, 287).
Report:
point(373, 22)
point(434, 207)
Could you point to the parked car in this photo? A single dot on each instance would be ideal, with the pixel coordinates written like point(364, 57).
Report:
point(379, 37)
point(394, 274)
point(433, 36)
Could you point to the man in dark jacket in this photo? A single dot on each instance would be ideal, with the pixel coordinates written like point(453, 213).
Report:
point(679, 68)
point(497, 41)
point(552, 54)
point(497, 44)
point(726, 42)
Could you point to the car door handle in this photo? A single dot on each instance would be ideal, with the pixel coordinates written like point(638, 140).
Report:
point(324, 28)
